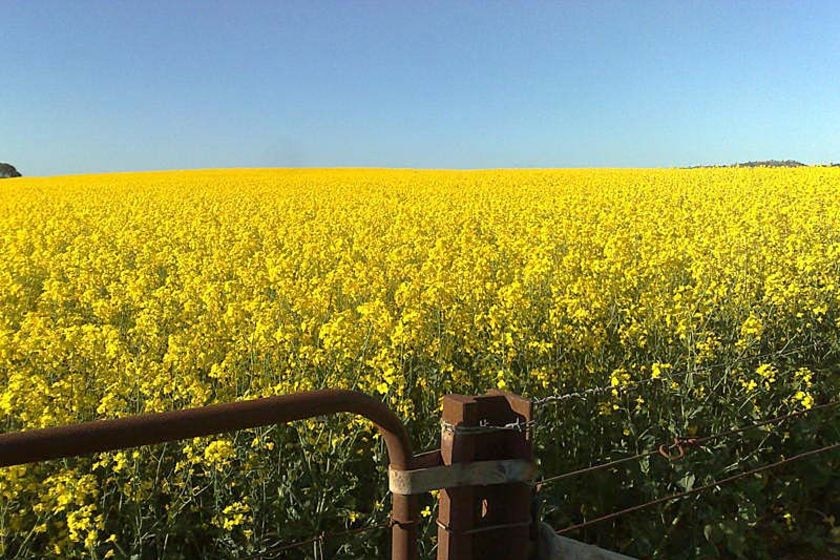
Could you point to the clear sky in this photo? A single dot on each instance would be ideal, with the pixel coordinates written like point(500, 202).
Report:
point(113, 85)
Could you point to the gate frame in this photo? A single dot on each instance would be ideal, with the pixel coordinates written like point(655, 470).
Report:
point(30, 446)
point(482, 468)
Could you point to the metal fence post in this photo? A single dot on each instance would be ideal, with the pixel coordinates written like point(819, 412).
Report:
point(485, 522)
point(405, 513)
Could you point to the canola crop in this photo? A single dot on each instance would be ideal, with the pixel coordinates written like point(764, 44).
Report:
point(145, 292)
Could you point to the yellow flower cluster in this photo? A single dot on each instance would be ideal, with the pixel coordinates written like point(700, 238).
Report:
point(129, 293)
point(234, 515)
point(219, 453)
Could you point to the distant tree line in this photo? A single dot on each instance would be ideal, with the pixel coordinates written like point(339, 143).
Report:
point(765, 163)
point(771, 163)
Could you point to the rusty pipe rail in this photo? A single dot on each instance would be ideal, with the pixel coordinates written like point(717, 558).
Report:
point(108, 435)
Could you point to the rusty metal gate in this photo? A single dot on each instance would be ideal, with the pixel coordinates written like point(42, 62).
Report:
point(483, 474)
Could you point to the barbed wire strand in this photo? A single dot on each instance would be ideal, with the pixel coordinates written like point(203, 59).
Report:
point(684, 373)
point(681, 443)
point(697, 490)
point(485, 427)
point(776, 420)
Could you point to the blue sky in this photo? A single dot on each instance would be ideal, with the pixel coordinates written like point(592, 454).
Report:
point(112, 85)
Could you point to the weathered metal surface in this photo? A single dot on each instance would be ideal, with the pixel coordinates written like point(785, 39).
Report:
point(480, 473)
point(145, 429)
point(494, 521)
point(107, 435)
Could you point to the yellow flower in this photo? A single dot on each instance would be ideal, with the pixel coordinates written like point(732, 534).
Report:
point(805, 399)
point(233, 516)
point(752, 327)
point(788, 517)
point(767, 373)
point(657, 369)
point(219, 453)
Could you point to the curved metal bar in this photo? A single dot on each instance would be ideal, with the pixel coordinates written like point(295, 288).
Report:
point(107, 435)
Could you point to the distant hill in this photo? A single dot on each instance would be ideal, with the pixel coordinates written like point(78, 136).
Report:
point(765, 163)
point(8, 171)
point(771, 163)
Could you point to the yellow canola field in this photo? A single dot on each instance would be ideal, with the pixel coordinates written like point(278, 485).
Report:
point(141, 292)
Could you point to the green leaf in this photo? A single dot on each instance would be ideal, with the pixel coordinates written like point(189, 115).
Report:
point(687, 482)
point(708, 532)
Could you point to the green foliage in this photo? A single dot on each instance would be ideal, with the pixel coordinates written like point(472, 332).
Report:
point(753, 517)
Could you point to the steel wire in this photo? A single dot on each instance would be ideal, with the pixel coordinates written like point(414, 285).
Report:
point(697, 490)
point(582, 394)
point(681, 443)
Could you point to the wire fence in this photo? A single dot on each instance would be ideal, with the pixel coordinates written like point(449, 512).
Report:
point(275, 550)
point(582, 394)
point(673, 451)
point(699, 489)
point(677, 449)
point(485, 427)
point(680, 444)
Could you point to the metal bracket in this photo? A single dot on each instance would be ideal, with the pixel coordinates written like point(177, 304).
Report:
point(479, 473)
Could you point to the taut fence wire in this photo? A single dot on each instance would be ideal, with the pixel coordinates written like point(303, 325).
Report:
point(699, 489)
point(680, 444)
point(585, 393)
